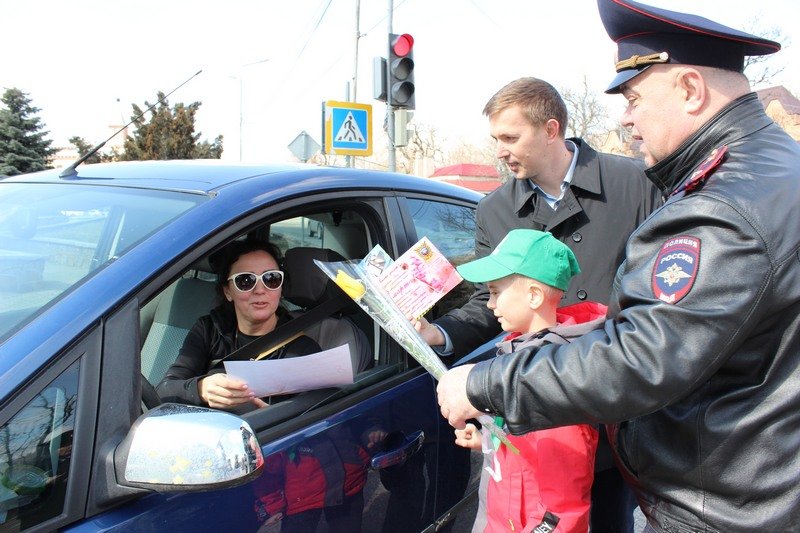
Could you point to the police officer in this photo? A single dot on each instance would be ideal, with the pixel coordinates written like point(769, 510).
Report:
point(698, 362)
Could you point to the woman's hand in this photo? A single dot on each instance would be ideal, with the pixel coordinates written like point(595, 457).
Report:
point(221, 391)
point(469, 437)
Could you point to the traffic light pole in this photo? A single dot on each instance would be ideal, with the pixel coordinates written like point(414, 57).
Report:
point(351, 160)
point(392, 163)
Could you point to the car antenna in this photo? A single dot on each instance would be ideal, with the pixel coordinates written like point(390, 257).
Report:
point(70, 170)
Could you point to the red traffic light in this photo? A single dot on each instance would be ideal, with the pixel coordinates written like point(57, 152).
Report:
point(402, 45)
point(400, 71)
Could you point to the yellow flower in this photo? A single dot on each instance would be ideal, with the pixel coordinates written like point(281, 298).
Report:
point(352, 287)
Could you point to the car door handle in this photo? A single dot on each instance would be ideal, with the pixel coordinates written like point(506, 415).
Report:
point(398, 455)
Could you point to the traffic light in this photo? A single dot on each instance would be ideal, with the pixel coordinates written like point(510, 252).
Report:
point(401, 70)
point(379, 78)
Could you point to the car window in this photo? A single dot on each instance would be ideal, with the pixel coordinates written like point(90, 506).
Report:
point(343, 231)
point(54, 236)
point(298, 231)
point(35, 451)
point(451, 228)
point(166, 320)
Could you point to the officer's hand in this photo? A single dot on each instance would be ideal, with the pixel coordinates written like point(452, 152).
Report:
point(452, 394)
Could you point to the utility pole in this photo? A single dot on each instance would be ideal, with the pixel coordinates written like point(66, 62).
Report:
point(351, 160)
point(348, 159)
point(389, 113)
point(355, 53)
point(241, 99)
point(241, 116)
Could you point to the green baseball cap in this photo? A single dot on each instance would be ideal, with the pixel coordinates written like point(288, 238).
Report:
point(535, 254)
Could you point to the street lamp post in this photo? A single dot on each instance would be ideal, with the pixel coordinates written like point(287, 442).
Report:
point(241, 114)
point(241, 99)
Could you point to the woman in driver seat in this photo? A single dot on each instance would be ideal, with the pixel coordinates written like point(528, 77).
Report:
point(249, 284)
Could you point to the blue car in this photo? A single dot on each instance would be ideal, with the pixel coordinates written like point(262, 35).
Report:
point(104, 270)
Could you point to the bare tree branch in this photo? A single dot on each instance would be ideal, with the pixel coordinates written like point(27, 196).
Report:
point(423, 143)
point(761, 70)
point(586, 115)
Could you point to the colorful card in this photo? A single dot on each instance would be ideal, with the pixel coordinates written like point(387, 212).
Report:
point(417, 279)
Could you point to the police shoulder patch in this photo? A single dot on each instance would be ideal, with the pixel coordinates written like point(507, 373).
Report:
point(676, 268)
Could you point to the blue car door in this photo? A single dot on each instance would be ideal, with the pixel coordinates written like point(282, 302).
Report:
point(369, 466)
point(374, 455)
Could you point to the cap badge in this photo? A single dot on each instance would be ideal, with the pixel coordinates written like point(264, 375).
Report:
point(635, 61)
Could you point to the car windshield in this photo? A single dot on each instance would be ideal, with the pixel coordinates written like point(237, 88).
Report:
point(54, 236)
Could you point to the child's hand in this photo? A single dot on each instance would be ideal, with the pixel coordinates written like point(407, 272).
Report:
point(429, 333)
point(469, 437)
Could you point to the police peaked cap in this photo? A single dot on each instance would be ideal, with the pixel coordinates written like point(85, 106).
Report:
point(646, 36)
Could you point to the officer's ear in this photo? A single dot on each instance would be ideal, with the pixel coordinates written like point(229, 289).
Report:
point(693, 90)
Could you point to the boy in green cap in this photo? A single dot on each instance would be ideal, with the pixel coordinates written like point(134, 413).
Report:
point(549, 483)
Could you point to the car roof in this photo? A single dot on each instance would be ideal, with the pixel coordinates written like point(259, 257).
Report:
point(187, 175)
point(206, 176)
point(234, 189)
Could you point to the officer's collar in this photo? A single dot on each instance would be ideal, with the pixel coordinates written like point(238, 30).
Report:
point(733, 122)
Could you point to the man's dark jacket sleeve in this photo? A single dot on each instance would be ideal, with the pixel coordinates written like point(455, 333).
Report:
point(651, 353)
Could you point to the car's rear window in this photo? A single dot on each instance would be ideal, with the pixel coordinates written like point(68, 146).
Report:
point(54, 236)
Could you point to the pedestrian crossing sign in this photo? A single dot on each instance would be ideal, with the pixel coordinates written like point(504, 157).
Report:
point(348, 128)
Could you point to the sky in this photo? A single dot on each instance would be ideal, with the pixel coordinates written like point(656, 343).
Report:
point(267, 65)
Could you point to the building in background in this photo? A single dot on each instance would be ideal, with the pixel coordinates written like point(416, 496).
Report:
point(782, 107)
point(479, 178)
point(66, 155)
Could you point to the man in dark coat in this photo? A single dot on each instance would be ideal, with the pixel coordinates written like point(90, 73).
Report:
point(698, 362)
point(588, 200)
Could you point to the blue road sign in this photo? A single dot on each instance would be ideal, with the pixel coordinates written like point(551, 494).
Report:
point(348, 128)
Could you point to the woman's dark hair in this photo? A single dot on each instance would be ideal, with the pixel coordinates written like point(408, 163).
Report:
point(222, 260)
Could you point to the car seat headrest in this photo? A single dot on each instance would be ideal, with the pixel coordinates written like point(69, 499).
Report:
point(204, 265)
point(305, 284)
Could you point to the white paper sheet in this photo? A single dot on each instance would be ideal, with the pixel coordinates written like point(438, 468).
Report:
point(329, 368)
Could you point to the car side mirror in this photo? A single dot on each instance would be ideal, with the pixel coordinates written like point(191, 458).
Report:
point(183, 448)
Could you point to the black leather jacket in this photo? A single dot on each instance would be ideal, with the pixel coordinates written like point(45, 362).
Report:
point(706, 389)
point(212, 337)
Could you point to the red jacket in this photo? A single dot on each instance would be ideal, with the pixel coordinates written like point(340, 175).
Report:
point(321, 472)
point(554, 470)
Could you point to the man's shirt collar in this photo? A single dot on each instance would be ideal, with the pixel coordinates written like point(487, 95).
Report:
point(551, 200)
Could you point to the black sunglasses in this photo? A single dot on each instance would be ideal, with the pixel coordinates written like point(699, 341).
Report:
point(246, 281)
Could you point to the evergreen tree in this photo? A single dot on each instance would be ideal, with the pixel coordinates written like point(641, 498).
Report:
point(169, 134)
point(23, 146)
point(83, 148)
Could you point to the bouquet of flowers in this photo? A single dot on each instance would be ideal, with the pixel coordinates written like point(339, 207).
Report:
point(365, 290)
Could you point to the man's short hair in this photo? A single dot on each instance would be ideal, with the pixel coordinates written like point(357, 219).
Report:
point(538, 99)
